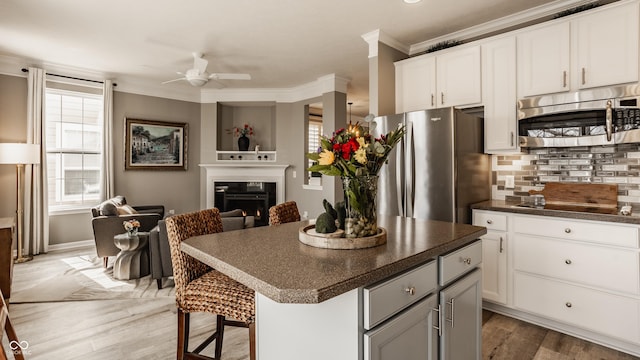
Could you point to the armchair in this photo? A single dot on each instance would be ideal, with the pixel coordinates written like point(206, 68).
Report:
point(108, 218)
point(160, 253)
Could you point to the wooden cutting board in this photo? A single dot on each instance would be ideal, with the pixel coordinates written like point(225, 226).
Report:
point(598, 195)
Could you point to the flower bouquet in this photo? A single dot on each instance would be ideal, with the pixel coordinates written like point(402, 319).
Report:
point(246, 130)
point(357, 157)
point(131, 226)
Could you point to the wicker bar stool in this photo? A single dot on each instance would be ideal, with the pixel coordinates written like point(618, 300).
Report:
point(199, 288)
point(284, 213)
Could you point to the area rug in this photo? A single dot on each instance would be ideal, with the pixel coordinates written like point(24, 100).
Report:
point(75, 276)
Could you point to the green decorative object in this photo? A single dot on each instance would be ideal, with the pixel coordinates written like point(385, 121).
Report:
point(329, 208)
point(360, 194)
point(325, 224)
point(443, 45)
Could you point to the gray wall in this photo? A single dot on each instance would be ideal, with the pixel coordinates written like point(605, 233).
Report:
point(174, 189)
point(382, 80)
point(13, 128)
point(178, 190)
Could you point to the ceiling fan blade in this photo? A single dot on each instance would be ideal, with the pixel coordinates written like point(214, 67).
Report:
point(230, 76)
point(170, 81)
point(199, 63)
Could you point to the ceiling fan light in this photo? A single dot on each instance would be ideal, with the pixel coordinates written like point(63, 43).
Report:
point(197, 81)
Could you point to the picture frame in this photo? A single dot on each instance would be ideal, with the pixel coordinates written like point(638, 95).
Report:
point(155, 145)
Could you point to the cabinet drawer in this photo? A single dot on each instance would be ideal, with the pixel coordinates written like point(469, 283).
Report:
point(597, 232)
point(612, 315)
point(384, 299)
point(490, 220)
point(459, 262)
point(609, 268)
point(408, 336)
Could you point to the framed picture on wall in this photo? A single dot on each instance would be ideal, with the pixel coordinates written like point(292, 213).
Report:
point(155, 145)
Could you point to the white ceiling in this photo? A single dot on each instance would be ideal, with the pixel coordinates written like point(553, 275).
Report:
point(281, 43)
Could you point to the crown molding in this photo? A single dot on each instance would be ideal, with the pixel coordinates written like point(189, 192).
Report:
point(501, 24)
point(324, 84)
point(373, 38)
point(13, 66)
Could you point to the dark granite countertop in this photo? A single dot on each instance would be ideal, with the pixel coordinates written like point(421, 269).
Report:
point(272, 261)
point(561, 212)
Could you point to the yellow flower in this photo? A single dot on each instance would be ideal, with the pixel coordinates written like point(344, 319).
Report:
point(326, 157)
point(361, 155)
point(362, 142)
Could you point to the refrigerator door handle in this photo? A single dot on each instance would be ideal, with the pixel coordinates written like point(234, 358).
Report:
point(399, 179)
point(410, 170)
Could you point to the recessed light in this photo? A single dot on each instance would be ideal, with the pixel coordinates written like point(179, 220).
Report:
point(412, 1)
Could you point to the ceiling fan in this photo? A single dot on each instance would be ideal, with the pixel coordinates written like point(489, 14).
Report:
point(198, 75)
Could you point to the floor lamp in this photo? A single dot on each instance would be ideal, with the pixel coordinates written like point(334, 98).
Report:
point(20, 154)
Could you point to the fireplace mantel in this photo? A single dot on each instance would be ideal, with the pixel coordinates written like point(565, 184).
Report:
point(241, 172)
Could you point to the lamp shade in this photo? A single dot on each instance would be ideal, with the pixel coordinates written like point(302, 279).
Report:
point(19, 153)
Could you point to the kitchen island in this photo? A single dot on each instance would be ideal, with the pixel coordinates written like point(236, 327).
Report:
point(310, 302)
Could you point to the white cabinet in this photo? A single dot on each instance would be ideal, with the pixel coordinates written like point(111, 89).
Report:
point(451, 78)
point(544, 60)
point(582, 274)
point(458, 77)
point(499, 94)
point(592, 49)
point(415, 84)
point(494, 255)
point(606, 44)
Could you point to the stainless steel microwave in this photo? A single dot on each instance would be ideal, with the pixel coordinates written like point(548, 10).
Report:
point(585, 118)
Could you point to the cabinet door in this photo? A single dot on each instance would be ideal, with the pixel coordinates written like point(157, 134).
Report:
point(458, 77)
point(409, 336)
point(543, 60)
point(462, 325)
point(415, 84)
point(499, 94)
point(607, 47)
point(494, 267)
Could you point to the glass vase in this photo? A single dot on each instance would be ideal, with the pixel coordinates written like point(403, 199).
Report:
point(360, 195)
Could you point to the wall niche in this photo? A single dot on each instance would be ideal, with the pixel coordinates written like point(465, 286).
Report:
point(259, 115)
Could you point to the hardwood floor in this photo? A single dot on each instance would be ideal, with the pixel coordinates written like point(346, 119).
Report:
point(146, 329)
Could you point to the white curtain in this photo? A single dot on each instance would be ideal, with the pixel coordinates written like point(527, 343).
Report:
point(107, 138)
point(36, 213)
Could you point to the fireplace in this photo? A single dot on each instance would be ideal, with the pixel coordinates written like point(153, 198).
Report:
point(253, 198)
point(264, 186)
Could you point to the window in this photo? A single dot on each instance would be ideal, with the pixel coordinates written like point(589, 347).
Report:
point(74, 148)
point(314, 132)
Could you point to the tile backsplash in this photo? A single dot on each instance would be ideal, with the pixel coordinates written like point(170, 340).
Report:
point(614, 164)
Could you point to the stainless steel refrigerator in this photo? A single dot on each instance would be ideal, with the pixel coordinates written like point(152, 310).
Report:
point(439, 168)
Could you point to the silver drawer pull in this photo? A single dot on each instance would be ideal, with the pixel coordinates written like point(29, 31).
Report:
point(568, 261)
point(410, 290)
point(567, 230)
point(467, 261)
point(489, 221)
point(568, 304)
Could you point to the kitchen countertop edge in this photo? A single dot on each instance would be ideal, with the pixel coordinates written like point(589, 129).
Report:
point(504, 206)
point(314, 296)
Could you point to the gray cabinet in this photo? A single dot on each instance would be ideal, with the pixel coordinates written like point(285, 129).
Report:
point(461, 305)
point(409, 336)
point(413, 316)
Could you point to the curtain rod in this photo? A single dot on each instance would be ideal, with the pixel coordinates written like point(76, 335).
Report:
point(71, 77)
